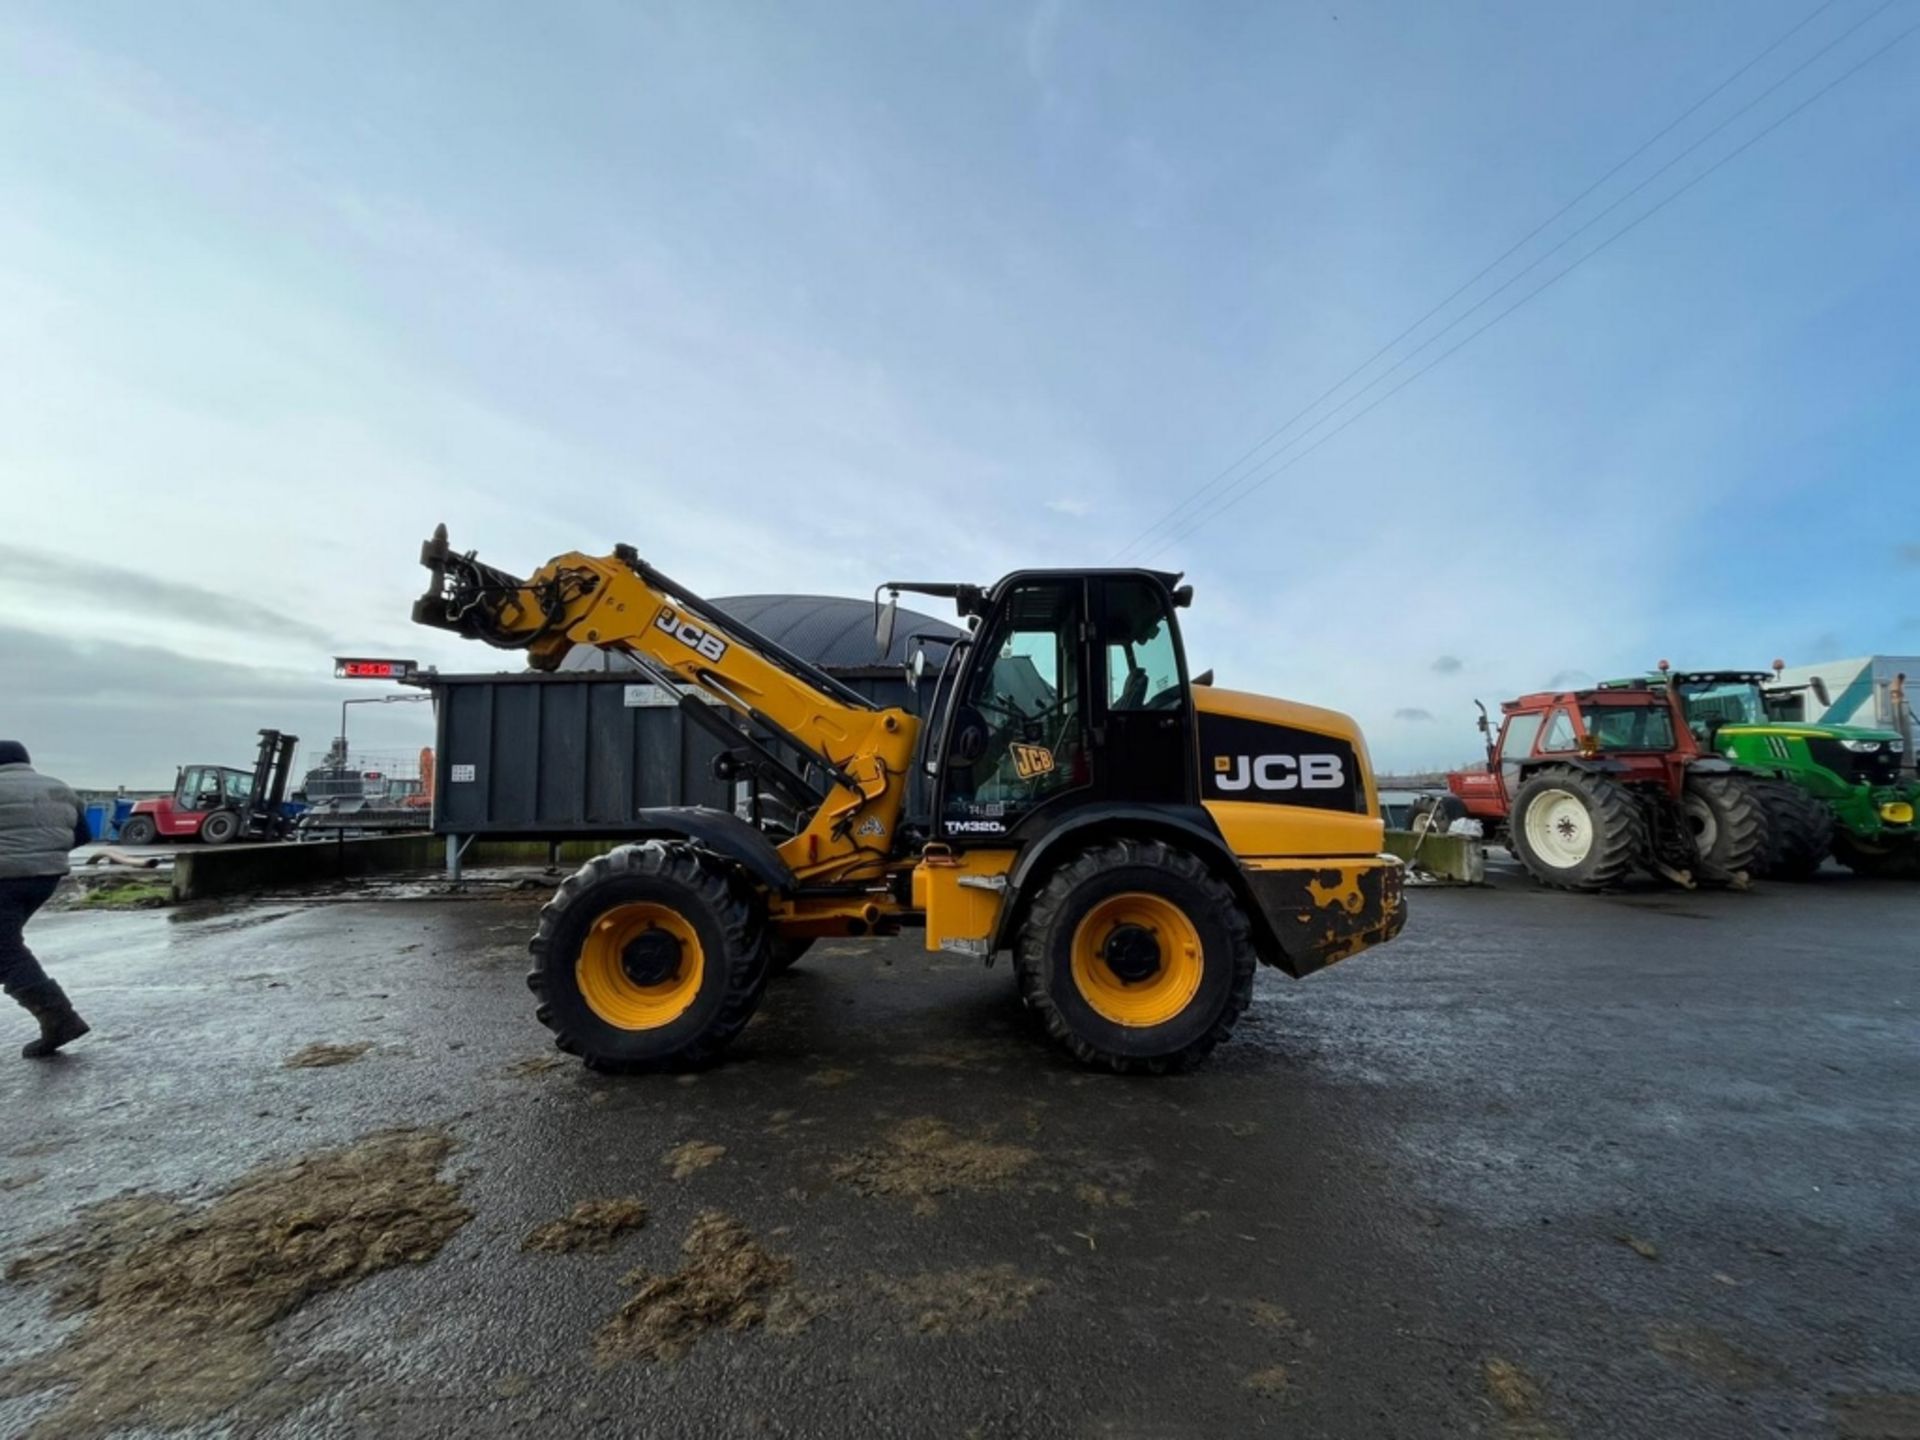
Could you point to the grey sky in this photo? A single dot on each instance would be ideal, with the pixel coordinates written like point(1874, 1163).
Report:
point(799, 300)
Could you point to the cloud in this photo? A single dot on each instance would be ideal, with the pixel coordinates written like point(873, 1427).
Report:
point(1907, 554)
point(93, 584)
point(1412, 712)
point(1569, 680)
point(105, 713)
point(1070, 507)
point(1448, 665)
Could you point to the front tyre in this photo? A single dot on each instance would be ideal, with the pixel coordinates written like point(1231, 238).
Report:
point(1729, 825)
point(648, 957)
point(1878, 859)
point(1799, 830)
point(219, 828)
point(1137, 957)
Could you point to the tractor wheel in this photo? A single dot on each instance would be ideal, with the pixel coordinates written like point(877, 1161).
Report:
point(649, 956)
point(219, 827)
point(1576, 831)
point(1878, 859)
point(1729, 825)
point(783, 954)
point(1136, 957)
point(1799, 830)
point(1444, 809)
point(139, 830)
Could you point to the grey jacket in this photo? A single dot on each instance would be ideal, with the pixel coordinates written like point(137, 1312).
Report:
point(40, 820)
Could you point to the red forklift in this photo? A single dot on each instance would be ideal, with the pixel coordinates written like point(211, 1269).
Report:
point(217, 804)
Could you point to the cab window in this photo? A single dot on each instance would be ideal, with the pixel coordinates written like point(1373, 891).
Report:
point(1559, 734)
point(1143, 664)
point(1517, 743)
point(1018, 732)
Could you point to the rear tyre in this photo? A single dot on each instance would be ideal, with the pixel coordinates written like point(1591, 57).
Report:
point(1136, 957)
point(1799, 830)
point(1576, 831)
point(139, 830)
point(1729, 825)
point(1879, 860)
point(651, 956)
point(219, 827)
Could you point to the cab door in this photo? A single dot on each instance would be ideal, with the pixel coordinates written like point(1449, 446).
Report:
point(1016, 740)
point(1143, 740)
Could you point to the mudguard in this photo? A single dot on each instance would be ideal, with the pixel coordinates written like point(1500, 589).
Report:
point(721, 832)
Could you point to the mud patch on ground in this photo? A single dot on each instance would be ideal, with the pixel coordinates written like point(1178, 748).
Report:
point(321, 1056)
point(948, 1302)
point(694, 1156)
point(1517, 1399)
point(20, 1180)
point(830, 1077)
point(534, 1065)
point(595, 1225)
point(1877, 1417)
point(729, 1282)
point(177, 1300)
point(924, 1158)
point(1712, 1356)
point(1270, 1382)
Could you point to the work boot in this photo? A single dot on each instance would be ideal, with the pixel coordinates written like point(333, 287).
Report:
point(60, 1023)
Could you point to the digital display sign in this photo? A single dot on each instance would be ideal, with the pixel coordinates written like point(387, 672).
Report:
point(359, 668)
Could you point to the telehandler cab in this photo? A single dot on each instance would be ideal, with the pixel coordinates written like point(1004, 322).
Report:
point(1138, 840)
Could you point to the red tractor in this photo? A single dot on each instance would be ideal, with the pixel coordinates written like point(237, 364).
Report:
point(1584, 786)
point(217, 803)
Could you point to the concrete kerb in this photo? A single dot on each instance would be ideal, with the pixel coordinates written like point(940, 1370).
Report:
point(1440, 859)
point(205, 873)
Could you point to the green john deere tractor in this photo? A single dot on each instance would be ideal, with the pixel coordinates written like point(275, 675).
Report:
point(1836, 787)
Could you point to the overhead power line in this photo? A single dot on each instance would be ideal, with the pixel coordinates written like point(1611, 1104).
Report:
point(1173, 516)
point(1261, 476)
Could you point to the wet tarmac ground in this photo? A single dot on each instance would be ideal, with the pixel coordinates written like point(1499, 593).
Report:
point(1639, 1165)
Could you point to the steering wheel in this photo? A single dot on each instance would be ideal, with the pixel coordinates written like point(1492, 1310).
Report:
point(1167, 699)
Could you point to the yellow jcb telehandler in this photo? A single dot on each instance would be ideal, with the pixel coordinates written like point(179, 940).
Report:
point(1136, 838)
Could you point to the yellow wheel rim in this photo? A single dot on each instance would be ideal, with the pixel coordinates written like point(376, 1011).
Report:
point(1144, 1000)
point(606, 968)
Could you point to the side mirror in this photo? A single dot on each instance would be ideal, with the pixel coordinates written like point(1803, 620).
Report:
point(884, 617)
point(1820, 691)
point(916, 669)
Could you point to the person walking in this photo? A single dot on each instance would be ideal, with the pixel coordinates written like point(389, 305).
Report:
point(40, 821)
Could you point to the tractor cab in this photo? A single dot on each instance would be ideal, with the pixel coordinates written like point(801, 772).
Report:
point(208, 787)
point(1072, 691)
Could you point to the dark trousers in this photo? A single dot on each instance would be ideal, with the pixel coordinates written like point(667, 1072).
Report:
point(19, 898)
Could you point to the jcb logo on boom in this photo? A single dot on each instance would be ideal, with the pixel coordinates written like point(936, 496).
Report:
point(1279, 772)
point(711, 646)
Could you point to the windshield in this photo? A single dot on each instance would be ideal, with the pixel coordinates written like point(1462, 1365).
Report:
point(1713, 703)
point(1628, 727)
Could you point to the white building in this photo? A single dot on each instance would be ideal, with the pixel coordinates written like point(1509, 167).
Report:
point(1859, 691)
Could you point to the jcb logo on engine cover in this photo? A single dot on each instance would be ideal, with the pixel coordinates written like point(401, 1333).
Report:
point(1261, 762)
point(1279, 772)
point(708, 645)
